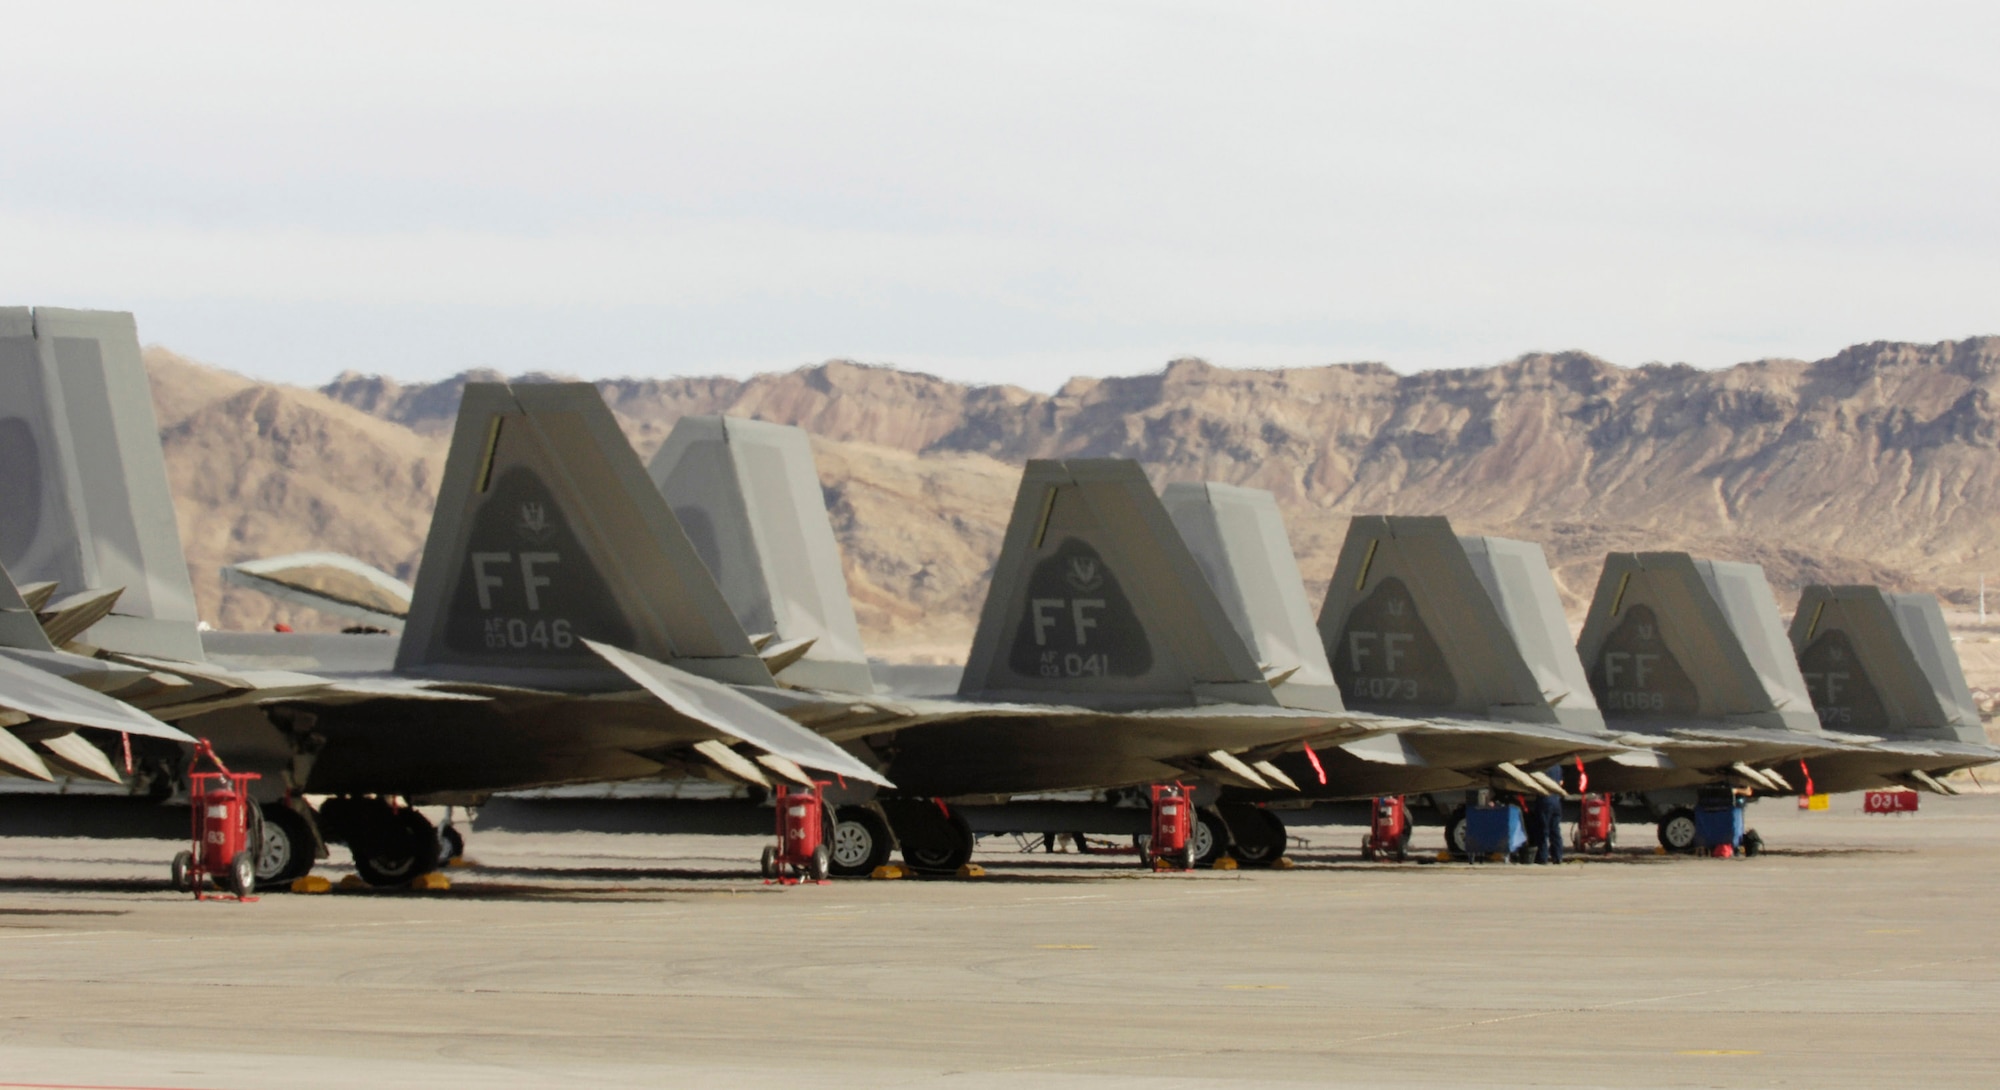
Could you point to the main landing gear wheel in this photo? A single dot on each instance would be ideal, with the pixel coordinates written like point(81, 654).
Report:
point(1208, 839)
point(396, 849)
point(1454, 834)
point(284, 847)
point(932, 842)
point(451, 844)
point(860, 842)
point(1260, 836)
point(1678, 831)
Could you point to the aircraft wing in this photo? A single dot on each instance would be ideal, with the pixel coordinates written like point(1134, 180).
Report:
point(735, 715)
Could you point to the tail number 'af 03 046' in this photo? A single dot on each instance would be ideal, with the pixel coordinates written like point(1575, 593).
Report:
point(492, 572)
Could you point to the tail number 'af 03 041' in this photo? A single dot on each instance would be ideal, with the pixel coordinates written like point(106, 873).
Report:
point(1078, 622)
point(492, 572)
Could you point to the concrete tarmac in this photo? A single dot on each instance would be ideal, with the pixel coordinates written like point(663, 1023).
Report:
point(1859, 952)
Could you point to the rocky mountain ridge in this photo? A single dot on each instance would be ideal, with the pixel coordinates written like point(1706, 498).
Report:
point(1875, 465)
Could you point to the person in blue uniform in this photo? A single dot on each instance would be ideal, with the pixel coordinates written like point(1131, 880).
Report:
point(1548, 828)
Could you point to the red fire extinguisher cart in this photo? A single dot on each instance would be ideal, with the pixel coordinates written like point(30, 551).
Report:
point(1388, 830)
point(1168, 843)
point(1595, 827)
point(220, 807)
point(800, 855)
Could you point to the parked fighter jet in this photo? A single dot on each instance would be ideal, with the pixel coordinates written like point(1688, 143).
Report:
point(1689, 657)
point(46, 694)
point(552, 638)
point(1463, 636)
point(1103, 660)
point(1882, 666)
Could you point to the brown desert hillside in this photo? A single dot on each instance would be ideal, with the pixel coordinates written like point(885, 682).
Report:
point(1877, 464)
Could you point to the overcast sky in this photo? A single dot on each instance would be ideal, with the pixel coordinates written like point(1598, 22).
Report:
point(1002, 192)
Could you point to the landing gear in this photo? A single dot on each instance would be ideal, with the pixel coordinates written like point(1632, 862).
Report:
point(1209, 838)
point(1677, 830)
point(283, 846)
point(860, 842)
point(390, 846)
point(933, 840)
point(1454, 834)
point(1259, 836)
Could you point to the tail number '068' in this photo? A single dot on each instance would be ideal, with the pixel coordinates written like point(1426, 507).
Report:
point(520, 634)
point(1634, 700)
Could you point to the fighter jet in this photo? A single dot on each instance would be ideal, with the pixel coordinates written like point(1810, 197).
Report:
point(1881, 666)
point(42, 704)
point(1462, 637)
point(1102, 662)
point(1688, 656)
point(551, 638)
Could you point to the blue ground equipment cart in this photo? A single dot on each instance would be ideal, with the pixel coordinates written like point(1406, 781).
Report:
point(1718, 824)
point(1494, 830)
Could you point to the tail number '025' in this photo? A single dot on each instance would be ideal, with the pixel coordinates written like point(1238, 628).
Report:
point(520, 634)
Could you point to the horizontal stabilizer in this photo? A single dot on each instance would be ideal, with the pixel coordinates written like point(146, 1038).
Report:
point(1229, 762)
point(735, 714)
point(1385, 749)
point(71, 617)
point(17, 757)
point(37, 595)
point(785, 768)
point(72, 751)
point(43, 695)
point(1275, 774)
point(731, 762)
point(331, 583)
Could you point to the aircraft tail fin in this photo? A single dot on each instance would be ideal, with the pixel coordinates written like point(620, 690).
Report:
point(1883, 664)
point(748, 496)
point(1095, 597)
point(1419, 620)
point(1237, 536)
point(548, 534)
point(1673, 637)
point(84, 500)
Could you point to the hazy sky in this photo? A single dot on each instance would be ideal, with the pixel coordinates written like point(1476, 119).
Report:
point(1002, 192)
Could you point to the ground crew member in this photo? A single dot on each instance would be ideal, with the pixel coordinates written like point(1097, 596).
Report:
point(1549, 834)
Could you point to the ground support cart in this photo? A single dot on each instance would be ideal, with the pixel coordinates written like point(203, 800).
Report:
point(220, 816)
point(1169, 841)
point(801, 854)
point(1596, 827)
point(1388, 830)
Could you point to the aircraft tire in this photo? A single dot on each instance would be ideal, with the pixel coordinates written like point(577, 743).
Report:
point(283, 846)
point(1260, 837)
point(1677, 830)
point(451, 844)
point(859, 842)
point(939, 845)
point(1209, 838)
point(1454, 834)
point(391, 853)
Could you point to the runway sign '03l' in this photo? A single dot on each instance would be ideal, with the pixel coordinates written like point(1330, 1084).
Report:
point(1889, 802)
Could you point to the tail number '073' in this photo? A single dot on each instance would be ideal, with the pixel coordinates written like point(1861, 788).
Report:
point(520, 634)
point(1384, 688)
